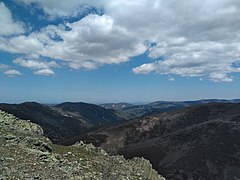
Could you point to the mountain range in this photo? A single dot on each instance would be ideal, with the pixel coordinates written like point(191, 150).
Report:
point(63, 121)
point(130, 111)
point(182, 140)
point(197, 142)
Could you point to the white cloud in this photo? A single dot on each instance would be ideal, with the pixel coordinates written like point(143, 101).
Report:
point(219, 77)
point(193, 38)
point(45, 72)
point(90, 42)
point(39, 67)
point(214, 60)
point(32, 64)
point(145, 68)
point(8, 25)
point(12, 72)
point(21, 44)
point(171, 78)
point(9, 71)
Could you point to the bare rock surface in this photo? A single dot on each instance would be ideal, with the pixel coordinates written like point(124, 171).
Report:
point(26, 154)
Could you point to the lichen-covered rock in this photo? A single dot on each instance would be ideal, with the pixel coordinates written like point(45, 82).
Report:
point(26, 154)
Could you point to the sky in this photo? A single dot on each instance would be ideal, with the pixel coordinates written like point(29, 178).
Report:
point(135, 51)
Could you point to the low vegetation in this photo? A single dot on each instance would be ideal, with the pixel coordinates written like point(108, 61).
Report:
point(26, 154)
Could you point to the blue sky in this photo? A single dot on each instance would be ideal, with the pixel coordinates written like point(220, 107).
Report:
point(119, 50)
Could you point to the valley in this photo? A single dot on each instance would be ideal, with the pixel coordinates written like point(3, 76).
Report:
point(198, 142)
point(182, 140)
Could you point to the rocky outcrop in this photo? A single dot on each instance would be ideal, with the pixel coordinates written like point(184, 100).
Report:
point(26, 154)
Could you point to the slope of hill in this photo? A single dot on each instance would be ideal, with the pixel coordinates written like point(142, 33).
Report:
point(198, 142)
point(116, 106)
point(130, 111)
point(97, 115)
point(63, 121)
point(26, 154)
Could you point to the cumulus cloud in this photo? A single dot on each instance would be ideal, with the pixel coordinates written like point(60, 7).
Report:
point(194, 38)
point(211, 59)
point(21, 44)
point(88, 43)
point(187, 38)
point(9, 71)
point(145, 68)
point(8, 25)
point(171, 78)
point(45, 72)
point(12, 72)
point(39, 67)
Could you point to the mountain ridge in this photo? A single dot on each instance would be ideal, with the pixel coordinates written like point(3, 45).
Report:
point(26, 154)
point(58, 124)
point(197, 142)
point(135, 111)
point(90, 112)
point(66, 121)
